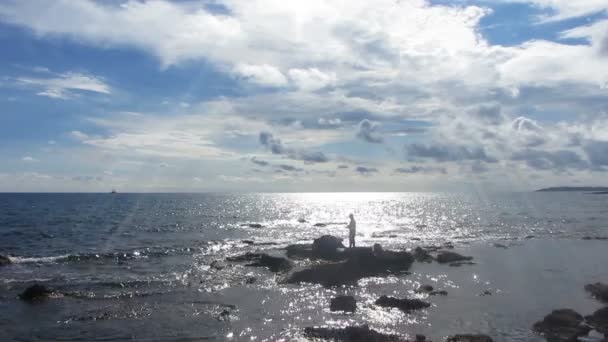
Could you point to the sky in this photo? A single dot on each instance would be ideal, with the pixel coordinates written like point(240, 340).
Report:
point(331, 95)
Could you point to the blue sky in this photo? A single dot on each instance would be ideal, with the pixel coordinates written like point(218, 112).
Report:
point(302, 96)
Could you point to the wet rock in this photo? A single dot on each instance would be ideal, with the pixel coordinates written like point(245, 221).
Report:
point(562, 325)
point(448, 245)
point(248, 242)
point(498, 245)
point(218, 265)
point(274, 264)
point(250, 280)
point(420, 338)
point(224, 315)
point(302, 220)
point(598, 291)
point(350, 334)
point(252, 225)
point(594, 238)
point(4, 260)
point(422, 255)
point(469, 338)
point(360, 263)
point(326, 245)
point(450, 257)
point(343, 303)
point(404, 305)
point(458, 264)
point(599, 321)
point(36, 292)
point(424, 289)
point(300, 251)
point(320, 224)
point(438, 293)
point(485, 293)
point(529, 237)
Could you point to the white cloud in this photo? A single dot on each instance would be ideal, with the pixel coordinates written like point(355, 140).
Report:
point(565, 9)
point(79, 135)
point(29, 159)
point(311, 79)
point(266, 75)
point(64, 86)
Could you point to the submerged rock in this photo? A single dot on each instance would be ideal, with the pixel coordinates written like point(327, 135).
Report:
point(562, 325)
point(402, 304)
point(458, 264)
point(424, 289)
point(36, 292)
point(449, 257)
point(599, 320)
point(469, 338)
point(252, 225)
point(598, 290)
point(438, 293)
point(343, 303)
point(499, 245)
point(274, 264)
point(422, 255)
point(320, 224)
point(360, 263)
point(350, 334)
point(4, 260)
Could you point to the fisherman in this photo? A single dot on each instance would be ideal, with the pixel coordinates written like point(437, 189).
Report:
point(352, 230)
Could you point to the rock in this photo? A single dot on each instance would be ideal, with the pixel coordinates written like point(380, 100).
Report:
point(350, 334)
point(449, 257)
point(529, 237)
point(458, 264)
point(420, 338)
point(274, 264)
point(485, 293)
point(320, 224)
point(343, 303)
point(326, 245)
point(448, 245)
point(248, 242)
point(598, 291)
point(360, 263)
point(469, 338)
point(594, 238)
point(498, 245)
point(422, 255)
point(438, 293)
point(252, 225)
point(300, 251)
point(4, 260)
point(250, 280)
point(218, 265)
point(404, 305)
point(301, 220)
point(599, 320)
point(36, 292)
point(562, 325)
point(424, 289)
point(224, 315)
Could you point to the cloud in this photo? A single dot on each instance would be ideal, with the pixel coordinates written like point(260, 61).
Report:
point(289, 168)
point(550, 160)
point(65, 86)
point(265, 75)
point(444, 153)
point(367, 131)
point(366, 170)
point(342, 166)
point(259, 162)
point(276, 146)
point(311, 79)
point(79, 135)
point(421, 169)
point(566, 9)
point(29, 159)
point(597, 152)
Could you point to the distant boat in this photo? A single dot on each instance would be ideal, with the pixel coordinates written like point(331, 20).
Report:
point(113, 191)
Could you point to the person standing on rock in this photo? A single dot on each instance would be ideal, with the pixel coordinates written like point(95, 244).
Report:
point(352, 230)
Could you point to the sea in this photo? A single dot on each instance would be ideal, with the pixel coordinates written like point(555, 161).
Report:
point(140, 267)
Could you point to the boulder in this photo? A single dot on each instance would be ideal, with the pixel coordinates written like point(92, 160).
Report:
point(438, 293)
point(404, 305)
point(422, 255)
point(360, 263)
point(599, 320)
point(343, 303)
point(350, 334)
point(424, 289)
point(252, 225)
point(449, 257)
point(218, 265)
point(598, 291)
point(4, 260)
point(562, 325)
point(469, 338)
point(274, 264)
point(320, 224)
point(326, 245)
point(36, 292)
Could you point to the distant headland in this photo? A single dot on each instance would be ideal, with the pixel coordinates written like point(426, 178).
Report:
point(593, 189)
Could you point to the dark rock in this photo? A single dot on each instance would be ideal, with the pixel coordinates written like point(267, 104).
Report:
point(404, 305)
point(36, 292)
point(300, 251)
point(4, 260)
point(448, 257)
point(594, 238)
point(598, 290)
point(420, 338)
point(529, 237)
point(320, 224)
point(485, 293)
point(458, 264)
point(274, 264)
point(424, 289)
point(360, 263)
point(498, 245)
point(250, 280)
point(327, 245)
point(422, 255)
point(469, 338)
point(350, 334)
point(224, 315)
point(252, 225)
point(448, 245)
point(249, 242)
point(343, 303)
point(599, 321)
point(415, 239)
point(302, 220)
point(562, 325)
point(438, 293)
point(218, 265)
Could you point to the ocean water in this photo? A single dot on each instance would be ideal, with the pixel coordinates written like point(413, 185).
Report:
point(135, 267)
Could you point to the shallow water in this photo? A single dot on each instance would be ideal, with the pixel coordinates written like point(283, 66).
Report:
point(136, 267)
